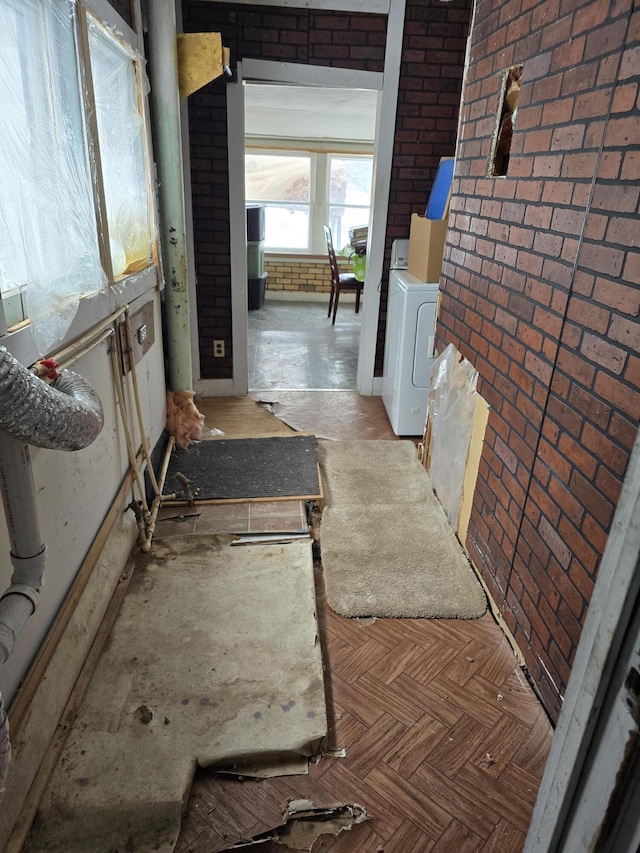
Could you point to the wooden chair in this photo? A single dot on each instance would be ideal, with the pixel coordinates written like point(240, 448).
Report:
point(340, 281)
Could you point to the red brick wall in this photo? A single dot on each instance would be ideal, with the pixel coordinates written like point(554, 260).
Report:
point(433, 56)
point(433, 51)
point(541, 291)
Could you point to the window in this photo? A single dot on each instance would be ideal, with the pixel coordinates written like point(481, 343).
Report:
point(283, 184)
point(49, 251)
point(349, 195)
point(121, 136)
point(61, 207)
point(302, 191)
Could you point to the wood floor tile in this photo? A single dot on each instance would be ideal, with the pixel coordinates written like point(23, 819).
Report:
point(499, 746)
point(355, 699)
point(351, 667)
point(432, 662)
point(469, 662)
point(401, 794)
point(532, 753)
point(499, 666)
point(505, 838)
point(510, 698)
point(458, 745)
point(384, 697)
point(395, 661)
point(466, 699)
point(498, 797)
point(432, 703)
point(478, 813)
point(390, 632)
point(411, 750)
point(345, 786)
point(383, 735)
point(458, 837)
point(348, 730)
point(408, 838)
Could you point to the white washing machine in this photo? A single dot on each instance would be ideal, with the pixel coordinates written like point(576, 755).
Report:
point(408, 351)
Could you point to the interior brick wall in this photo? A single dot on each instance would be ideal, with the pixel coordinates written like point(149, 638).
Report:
point(541, 292)
point(299, 276)
point(431, 71)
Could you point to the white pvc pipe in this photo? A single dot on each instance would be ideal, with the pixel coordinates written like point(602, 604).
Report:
point(27, 544)
point(165, 101)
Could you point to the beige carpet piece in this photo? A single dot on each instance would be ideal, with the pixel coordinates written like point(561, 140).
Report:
point(387, 548)
point(214, 659)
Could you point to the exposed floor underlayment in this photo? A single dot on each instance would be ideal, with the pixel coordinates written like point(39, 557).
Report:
point(214, 659)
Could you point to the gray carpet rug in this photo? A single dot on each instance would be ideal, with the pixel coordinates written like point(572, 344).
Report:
point(387, 548)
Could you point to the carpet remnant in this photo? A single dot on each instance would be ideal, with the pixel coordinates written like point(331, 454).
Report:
point(250, 468)
point(213, 660)
point(387, 548)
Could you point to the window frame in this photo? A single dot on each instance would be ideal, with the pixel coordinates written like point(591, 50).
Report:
point(93, 308)
point(319, 203)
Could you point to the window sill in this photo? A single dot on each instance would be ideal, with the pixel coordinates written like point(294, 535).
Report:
point(91, 311)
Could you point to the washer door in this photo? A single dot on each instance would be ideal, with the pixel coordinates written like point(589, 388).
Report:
point(425, 339)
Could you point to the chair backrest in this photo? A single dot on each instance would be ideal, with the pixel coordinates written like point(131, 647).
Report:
point(333, 263)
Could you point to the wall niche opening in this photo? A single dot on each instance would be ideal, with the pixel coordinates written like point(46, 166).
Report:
point(505, 120)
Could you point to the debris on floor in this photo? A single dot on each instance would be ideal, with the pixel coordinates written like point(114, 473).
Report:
point(303, 823)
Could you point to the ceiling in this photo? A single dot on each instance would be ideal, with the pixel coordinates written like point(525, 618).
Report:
point(310, 112)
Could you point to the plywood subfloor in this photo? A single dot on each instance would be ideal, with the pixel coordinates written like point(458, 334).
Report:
point(239, 417)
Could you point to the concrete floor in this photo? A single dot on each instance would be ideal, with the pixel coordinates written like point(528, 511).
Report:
point(293, 346)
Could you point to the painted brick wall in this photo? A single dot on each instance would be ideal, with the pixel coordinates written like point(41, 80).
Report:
point(427, 118)
point(433, 56)
point(347, 40)
point(299, 276)
point(541, 291)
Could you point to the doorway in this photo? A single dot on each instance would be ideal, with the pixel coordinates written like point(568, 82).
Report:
point(254, 72)
point(308, 162)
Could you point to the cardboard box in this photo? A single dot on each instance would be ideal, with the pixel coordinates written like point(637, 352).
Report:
point(426, 247)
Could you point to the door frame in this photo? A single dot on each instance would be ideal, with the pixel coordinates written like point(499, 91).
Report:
point(577, 779)
point(386, 84)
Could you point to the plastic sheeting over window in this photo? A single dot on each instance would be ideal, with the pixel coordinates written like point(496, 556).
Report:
point(121, 135)
point(48, 237)
point(452, 403)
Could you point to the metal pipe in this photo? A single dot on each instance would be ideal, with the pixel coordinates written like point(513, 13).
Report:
point(117, 381)
point(136, 397)
point(70, 353)
point(157, 501)
point(64, 361)
point(165, 100)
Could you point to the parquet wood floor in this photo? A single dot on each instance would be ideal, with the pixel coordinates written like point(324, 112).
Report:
point(445, 744)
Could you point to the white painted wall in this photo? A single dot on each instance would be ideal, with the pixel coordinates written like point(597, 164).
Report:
point(75, 491)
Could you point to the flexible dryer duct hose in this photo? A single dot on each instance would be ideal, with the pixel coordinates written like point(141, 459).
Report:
point(66, 415)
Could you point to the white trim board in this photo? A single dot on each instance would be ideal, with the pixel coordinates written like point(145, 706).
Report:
point(267, 70)
point(374, 7)
point(610, 611)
